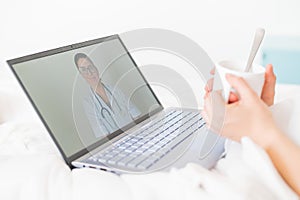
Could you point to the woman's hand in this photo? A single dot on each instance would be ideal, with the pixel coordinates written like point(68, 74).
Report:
point(268, 91)
point(248, 116)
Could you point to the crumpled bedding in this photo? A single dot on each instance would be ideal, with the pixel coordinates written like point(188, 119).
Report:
point(32, 168)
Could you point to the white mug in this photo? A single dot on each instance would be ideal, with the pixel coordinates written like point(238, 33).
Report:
point(255, 77)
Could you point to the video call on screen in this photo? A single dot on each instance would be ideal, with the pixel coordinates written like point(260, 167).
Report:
point(85, 94)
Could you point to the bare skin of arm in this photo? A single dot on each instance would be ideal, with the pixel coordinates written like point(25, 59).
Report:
point(249, 116)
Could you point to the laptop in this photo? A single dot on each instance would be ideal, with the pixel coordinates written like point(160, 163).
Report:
point(102, 113)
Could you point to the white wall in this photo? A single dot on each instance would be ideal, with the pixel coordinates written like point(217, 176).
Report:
point(223, 28)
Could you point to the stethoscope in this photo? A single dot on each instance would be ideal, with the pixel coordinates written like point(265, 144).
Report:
point(105, 113)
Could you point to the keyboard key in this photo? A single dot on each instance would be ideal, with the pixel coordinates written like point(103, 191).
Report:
point(148, 145)
point(135, 154)
point(145, 165)
point(147, 153)
point(92, 158)
point(122, 147)
point(134, 140)
point(141, 142)
point(102, 160)
point(141, 150)
point(136, 161)
point(171, 137)
point(166, 149)
point(109, 155)
point(130, 149)
point(128, 143)
point(113, 161)
point(152, 142)
point(135, 146)
point(125, 160)
point(154, 148)
point(116, 150)
point(158, 154)
point(159, 144)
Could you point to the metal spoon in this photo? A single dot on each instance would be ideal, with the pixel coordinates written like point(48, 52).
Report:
point(259, 35)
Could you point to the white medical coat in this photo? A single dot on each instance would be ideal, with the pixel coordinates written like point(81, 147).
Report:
point(122, 111)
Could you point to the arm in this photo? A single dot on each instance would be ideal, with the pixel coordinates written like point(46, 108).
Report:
point(250, 116)
point(285, 155)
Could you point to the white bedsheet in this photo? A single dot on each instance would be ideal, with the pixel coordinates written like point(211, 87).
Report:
point(31, 167)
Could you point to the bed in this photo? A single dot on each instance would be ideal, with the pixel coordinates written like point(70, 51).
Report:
point(32, 168)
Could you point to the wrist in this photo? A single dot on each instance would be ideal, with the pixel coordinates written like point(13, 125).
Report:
point(272, 139)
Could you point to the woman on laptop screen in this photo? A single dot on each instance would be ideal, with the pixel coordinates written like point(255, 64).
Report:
point(106, 107)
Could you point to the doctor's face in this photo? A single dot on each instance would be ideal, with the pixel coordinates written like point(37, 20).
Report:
point(88, 71)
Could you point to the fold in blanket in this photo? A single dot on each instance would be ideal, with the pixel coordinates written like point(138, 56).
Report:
point(246, 173)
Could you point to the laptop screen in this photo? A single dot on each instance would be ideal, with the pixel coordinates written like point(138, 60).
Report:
point(86, 93)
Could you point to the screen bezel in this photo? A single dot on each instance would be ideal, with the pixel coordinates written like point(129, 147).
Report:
point(63, 49)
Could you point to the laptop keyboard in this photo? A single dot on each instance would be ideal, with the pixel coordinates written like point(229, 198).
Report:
point(147, 146)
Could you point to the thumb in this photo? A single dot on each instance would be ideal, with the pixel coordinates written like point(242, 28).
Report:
point(241, 86)
point(268, 90)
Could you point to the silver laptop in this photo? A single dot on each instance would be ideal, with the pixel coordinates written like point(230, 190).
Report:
point(101, 112)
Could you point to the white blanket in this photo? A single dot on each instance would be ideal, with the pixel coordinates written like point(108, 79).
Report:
point(31, 167)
